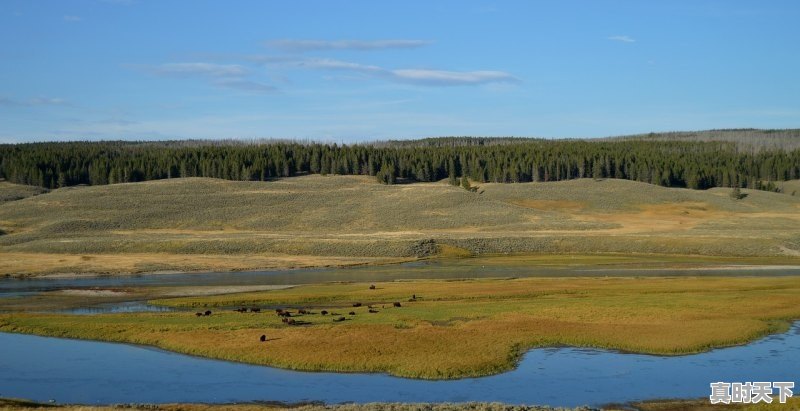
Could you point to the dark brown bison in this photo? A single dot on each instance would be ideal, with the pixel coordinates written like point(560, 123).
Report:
point(372, 287)
point(263, 338)
point(255, 310)
point(356, 304)
point(207, 313)
point(323, 312)
point(352, 313)
point(396, 304)
point(198, 314)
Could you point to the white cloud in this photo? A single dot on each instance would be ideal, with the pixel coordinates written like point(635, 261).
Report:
point(424, 77)
point(452, 78)
point(36, 101)
point(622, 39)
point(315, 45)
point(202, 69)
point(245, 85)
point(330, 64)
point(231, 76)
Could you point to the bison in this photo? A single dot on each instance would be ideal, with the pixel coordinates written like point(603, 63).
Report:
point(263, 338)
point(372, 287)
point(356, 304)
point(338, 320)
point(373, 311)
point(352, 313)
point(396, 304)
point(323, 312)
point(207, 313)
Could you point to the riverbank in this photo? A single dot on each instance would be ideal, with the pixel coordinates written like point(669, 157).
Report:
point(447, 329)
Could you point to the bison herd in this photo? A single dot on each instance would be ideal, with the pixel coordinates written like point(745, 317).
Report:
point(286, 315)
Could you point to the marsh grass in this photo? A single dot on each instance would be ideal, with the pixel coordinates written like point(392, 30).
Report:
point(454, 328)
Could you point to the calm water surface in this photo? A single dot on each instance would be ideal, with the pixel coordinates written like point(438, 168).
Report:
point(432, 269)
point(88, 372)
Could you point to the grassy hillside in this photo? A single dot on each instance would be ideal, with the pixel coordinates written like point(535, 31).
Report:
point(317, 220)
point(791, 187)
point(12, 192)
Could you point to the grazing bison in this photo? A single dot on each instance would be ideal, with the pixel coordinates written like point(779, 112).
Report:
point(373, 311)
point(241, 310)
point(372, 287)
point(352, 313)
point(207, 313)
point(323, 312)
point(356, 304)
point(263, 338)
point(198, 314)
point(396, 304)
point(338, 320)
point(255, 310)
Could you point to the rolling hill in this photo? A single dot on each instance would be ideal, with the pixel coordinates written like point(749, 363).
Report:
point(201, 223)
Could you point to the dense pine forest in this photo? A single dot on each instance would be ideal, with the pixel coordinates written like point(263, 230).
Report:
point(696, 163)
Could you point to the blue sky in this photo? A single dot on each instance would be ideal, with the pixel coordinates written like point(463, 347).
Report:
point(348, 71)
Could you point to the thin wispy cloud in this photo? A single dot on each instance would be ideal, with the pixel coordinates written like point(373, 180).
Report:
point(452, 78)
point(363, 45)
point(245, 85)
point(72, 19)
point(198, 69)
point(622, 39)
point(425, 77)
point(230, 76)
point(36, 101)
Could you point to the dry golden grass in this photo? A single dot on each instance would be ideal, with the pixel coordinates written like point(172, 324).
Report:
point(455, 328)
point(197, 223)
point(27, 264)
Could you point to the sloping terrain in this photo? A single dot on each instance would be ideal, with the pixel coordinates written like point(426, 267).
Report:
point(352, 219)
point(13, 192)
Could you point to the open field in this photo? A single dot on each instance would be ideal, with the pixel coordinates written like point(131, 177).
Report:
point(684, 405)
point(200, 224)
point(453, 328)
point(791, 187)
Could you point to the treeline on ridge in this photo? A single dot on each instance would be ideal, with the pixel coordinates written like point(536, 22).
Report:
point(692, 164)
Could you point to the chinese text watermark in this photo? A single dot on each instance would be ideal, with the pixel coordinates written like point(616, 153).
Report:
point(750, 392)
